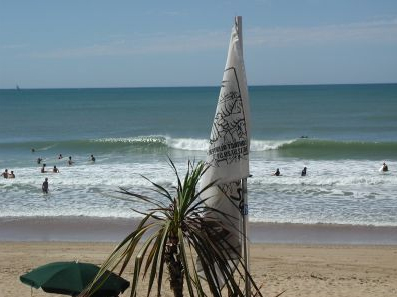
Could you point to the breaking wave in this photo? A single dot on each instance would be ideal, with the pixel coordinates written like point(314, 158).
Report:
point(299, 148)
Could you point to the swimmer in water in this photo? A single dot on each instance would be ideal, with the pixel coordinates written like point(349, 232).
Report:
point(277, 173)
point(44, 186)
point(303, 172)
point(5, 173)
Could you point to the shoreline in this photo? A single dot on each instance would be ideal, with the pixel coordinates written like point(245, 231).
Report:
point(107, 229)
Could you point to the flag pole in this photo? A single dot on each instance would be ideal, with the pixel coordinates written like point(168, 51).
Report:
point(245, 239)
point(239, 25)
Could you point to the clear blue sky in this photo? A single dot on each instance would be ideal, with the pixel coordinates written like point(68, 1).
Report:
point(95, 43)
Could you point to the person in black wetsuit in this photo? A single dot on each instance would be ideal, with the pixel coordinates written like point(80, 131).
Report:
point(277, 173)
point(304, 172)
point(44, 187)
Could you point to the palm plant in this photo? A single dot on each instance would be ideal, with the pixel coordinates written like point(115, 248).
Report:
point(176, 234)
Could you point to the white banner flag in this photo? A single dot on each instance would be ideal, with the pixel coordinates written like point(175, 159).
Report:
point(228, 154)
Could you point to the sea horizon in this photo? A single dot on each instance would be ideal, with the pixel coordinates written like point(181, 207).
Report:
point(20, 87)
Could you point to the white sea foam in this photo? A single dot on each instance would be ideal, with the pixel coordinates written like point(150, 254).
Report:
point(188, 144)
point(138, 139)
point(192, 144)
point(347, 191)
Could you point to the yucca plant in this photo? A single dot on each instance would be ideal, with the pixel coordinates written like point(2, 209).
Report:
point(176, 234)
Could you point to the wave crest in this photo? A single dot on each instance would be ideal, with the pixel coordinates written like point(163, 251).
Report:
point(296, 148)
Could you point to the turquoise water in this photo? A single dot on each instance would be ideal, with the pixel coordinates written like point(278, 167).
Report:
point(342, 133)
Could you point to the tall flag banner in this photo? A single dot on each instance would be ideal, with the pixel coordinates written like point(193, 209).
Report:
point(228, 154)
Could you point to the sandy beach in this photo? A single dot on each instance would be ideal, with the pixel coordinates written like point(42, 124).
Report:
point(312, 260)
point(301, 270)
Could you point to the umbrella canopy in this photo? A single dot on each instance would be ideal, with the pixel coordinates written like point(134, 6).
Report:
point(71, 278)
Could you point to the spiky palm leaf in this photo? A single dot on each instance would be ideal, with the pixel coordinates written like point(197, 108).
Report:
point(176, 232)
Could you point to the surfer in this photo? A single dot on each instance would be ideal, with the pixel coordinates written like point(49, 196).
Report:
point(384, 167)
point(70, 162)
point(5, 173)
point(44, 186)
point(303, 172)
point(92, 158)
point(11, 175)
point(55, 169)
point(43, 168)
point(277, 173)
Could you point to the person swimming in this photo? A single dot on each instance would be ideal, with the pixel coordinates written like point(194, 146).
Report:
point(384, 167)
point(55, 169)
point(11, 175)
point(92, 158)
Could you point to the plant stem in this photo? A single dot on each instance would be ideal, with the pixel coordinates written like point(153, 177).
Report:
point(175, 267)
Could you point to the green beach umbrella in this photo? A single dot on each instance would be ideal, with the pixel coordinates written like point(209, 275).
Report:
point(71, 278)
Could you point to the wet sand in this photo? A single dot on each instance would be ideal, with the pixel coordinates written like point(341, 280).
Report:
point(113, 230)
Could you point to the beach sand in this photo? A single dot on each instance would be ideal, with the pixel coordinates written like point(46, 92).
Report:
point(302, 260)
point(301, 270)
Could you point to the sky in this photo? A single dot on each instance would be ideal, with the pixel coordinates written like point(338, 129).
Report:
point(97, 43)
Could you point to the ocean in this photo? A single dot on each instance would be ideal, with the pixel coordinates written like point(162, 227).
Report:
point(341, 133)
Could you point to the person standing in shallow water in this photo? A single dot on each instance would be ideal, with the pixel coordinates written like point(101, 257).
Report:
point(5, 173)
point(277, 173)
point(384, 167)
point(304, 172)
point(70, 162)
point(44, 186)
